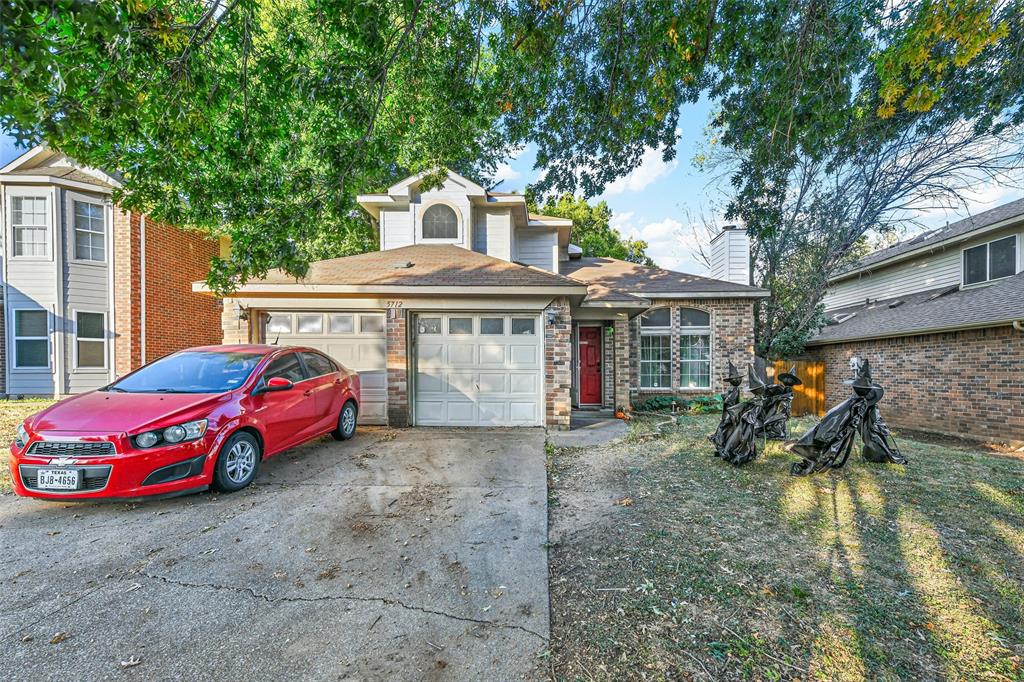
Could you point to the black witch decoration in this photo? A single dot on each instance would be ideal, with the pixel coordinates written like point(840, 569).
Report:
point(778, 406)
point(729, 399)
point(828, 445)
point(740, 444)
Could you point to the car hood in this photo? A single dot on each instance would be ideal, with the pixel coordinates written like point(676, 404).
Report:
point(111, 412)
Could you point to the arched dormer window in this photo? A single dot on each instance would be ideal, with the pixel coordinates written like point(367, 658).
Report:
point(440, 222)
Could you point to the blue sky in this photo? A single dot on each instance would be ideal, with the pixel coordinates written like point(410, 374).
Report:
point(661, 202)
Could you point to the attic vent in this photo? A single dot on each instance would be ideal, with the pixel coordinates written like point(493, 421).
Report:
point(896, 304)
point(401, 265)
point(944, 292)
point(843, 317)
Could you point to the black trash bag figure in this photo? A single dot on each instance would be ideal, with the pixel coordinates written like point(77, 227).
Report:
point(828, 445)
point(740, 444)
point(779, 406)
point(730, 398)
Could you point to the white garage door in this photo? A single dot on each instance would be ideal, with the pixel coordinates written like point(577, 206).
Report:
point(478, 370)
point(353, 338)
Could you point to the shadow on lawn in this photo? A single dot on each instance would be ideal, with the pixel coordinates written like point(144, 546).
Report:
point(923, 587)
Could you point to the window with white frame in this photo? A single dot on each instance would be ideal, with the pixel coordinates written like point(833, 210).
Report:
point(30, 226)
point(90, 232)
point(440, 222)
point(31, 339)
point(656, 349)
point(90, 340)
point(994, 260)
point(694, 348)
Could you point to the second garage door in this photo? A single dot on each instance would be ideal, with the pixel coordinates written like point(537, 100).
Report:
point(353, 338)
point(478, 370)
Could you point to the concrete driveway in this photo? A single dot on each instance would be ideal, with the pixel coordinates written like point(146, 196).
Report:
point(416, 554)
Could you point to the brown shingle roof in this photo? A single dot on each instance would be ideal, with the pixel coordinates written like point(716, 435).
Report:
point(928, 311)
point(423, 265)
point(64, 173)
point(641, 280)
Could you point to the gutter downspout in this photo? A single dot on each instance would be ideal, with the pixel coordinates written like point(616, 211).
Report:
point(142, 287)
point(60, 322)
point(1018, 325)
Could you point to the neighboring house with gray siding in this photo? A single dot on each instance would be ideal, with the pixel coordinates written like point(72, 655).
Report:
point(74, 282)
point(940, 317)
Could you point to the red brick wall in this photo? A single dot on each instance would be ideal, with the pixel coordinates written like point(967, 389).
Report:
point(398, 368)
point(177, 317)
point(558, 365)
point(968, 383)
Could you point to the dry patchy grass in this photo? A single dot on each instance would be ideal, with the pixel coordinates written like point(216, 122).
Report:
point(12, 413)
point(668, 563)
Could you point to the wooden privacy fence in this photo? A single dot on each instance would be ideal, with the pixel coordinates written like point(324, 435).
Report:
point(808, 398)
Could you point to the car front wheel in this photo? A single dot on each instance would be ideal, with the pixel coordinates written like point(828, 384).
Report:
point(346, 422)
point(237, 464)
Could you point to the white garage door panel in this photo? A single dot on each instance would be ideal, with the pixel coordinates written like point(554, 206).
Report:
point(364, 352)
point(477, 379)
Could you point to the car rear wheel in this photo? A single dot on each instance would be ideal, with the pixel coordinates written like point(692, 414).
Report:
point(346, 422)
point(237, 464)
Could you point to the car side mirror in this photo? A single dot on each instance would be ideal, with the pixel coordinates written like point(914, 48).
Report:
point(274, 384)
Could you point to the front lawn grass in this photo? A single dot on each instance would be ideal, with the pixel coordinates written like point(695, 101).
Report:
point(12, 413)
point(668, 564)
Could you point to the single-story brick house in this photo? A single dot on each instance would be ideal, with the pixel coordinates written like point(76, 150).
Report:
point(90, 291)
point(941, 319)
point(476, 312)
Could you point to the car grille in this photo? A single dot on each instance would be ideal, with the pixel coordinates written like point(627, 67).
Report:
point(71, 448)
point(90, 478)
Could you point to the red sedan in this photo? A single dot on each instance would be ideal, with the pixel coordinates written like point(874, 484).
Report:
point(194, 419)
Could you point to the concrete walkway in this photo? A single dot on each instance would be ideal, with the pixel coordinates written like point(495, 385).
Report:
point(589, 428)
point(399, 555)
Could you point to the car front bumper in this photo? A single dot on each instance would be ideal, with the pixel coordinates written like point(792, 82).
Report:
point(119, 471)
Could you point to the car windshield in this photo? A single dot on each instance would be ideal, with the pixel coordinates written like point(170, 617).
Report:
point(191, 372)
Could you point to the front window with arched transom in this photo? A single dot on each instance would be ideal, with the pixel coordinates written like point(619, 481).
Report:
point(692, 353)
point(440, 222)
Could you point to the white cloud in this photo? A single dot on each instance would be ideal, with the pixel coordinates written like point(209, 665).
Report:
point(505, 172)
point(669, 243)
point(652, 166)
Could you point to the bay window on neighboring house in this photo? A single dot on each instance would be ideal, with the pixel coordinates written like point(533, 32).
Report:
point(656, 349)
point(694, 348)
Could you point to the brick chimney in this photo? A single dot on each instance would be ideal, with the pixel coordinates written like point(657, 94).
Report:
point(730, 255)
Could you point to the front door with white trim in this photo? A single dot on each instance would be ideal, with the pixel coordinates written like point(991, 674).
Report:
point(478, 369)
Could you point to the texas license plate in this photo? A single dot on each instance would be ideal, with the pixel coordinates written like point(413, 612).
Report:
point(58, 479)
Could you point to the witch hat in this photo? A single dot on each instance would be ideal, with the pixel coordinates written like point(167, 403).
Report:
point(734, 376)
point(762, 371)
point(754, 382)
point(790, 378)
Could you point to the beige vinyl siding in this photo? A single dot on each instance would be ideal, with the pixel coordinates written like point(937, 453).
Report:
point(929, 271)
point(86, 289)
point(537, 247)
point(492, 232)
point(395, 228)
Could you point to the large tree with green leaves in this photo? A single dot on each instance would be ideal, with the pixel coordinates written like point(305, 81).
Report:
point(591, 228)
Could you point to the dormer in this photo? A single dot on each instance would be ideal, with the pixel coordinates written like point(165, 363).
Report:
point(462, 213)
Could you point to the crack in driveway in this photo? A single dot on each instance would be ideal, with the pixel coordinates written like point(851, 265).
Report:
point(242, 589)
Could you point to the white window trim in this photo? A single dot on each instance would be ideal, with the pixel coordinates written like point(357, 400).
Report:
point(15, 367)
point(459, 220)
point(988, 280)
point(665, 331)
point(17, 193)
point(72, 229)
point(104, 340)
point(695, 331)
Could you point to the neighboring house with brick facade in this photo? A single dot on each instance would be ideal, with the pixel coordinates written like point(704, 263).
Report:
point(90, 291)
point(476, 312)
point(940, 317)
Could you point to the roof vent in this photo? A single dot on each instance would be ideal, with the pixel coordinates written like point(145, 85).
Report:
point(896, 304)
point(839, 318)
point(401, 265)
point(944, 292)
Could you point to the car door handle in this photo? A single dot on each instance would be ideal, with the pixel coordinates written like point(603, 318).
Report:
point(307, 392)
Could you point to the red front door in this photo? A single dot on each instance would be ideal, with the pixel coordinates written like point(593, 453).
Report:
point(590, 365)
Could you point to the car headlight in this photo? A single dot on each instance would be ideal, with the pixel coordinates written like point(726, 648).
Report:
point(172, 435)
point(21, 437)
